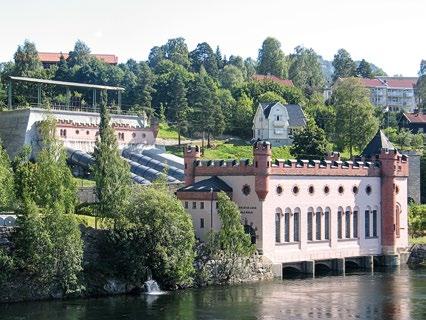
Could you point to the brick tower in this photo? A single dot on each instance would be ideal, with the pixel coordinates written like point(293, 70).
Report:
point(190, 155)
point(262, 167)
point(393, 165)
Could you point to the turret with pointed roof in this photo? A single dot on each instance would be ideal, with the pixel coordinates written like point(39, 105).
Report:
point(377, 144)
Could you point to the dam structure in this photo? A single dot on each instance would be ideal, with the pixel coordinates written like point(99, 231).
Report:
point(77, 127)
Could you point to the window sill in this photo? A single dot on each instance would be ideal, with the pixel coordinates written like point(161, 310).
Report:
point(286, 243)
point(347, 239)
point(369, 238)
point(318, 241)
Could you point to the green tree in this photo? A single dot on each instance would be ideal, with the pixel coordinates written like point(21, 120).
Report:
point(6, 180)
point(206, 116)
point(176, 50)
point(144, 87)
point(203, 55)
point(178, 107)
point(158, 238)
point(271, 59)
point(305, 71)
point(309, 142)
point(270, 96)
point(355, 118)
point(242, 117)
point(49, 249)
point(344, 66)
point(156, 55)
point(230, 77)
point(230, 245)
point(80, 55)
point(324, 115)
point(27, 63)
point(416, 219)
point(364, 70)
point(111, 172)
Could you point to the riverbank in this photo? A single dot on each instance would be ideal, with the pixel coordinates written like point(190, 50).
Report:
point(397, 294)
point(98, 280)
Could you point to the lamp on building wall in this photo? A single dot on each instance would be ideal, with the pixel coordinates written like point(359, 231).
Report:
point(211, 209)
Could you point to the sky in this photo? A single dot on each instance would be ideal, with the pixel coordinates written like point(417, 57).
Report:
point(388, 33)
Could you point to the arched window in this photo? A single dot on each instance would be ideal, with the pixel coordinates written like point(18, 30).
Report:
point(287, 225)
point(296, 224)
point(348, 223)
point(327, 223)
point(355, 222)
point(318, 217)
point(277, 226)
point(339, 223)
point(367, 222)
point(310, 224)
point(397, 220)
point(375, 222)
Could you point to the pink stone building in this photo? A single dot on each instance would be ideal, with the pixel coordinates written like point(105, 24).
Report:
point(304, 212)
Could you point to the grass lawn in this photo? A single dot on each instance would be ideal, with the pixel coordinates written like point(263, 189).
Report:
point(88, 221)
point(233, 150)
point(420, 240)
point(84, 182)
point(166, 132)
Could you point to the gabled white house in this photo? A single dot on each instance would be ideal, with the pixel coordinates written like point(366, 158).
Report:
point(276, 122)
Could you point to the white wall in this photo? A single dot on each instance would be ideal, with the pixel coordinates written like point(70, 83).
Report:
point(323, 249)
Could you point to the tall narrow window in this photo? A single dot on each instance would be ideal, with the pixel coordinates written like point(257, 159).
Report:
point(327, 225)
point(367, 223)
point(202, 223)
point(347, 224)
point(287, 227)
point(318, 225)
point(355, 224)
point(201, 205)
point(310, 226)
point(375, 223)
point(339, 224)
point(277, 227)
point(296, 226)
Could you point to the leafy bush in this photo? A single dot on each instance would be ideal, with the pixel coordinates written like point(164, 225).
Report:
point(417, 220)
point(155, 238)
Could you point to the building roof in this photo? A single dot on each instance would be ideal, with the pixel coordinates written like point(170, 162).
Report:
point(66, 84)
point(261, 77)
point(295, 113)
point(390, 82)
point(371, 83)
point(416, 117)
point(54, 57)
point(375, 146)
point(206, 185)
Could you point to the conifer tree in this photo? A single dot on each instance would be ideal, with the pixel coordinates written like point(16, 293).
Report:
point(112, 173)
point(178, 107)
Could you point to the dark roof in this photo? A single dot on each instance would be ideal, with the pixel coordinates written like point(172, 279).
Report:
point(295, 113)
point(375, 146)
point(205, 185)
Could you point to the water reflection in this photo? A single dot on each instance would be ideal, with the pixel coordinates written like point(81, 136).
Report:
point(399, 294)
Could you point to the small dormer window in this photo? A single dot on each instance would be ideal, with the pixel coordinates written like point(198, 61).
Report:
point(278, 118)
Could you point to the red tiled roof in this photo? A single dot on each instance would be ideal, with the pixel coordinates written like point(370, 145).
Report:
point(54, 57)
point(371, 83)
point(261, 77)
point(416, 117)
point(400, 83)
point(389, 82)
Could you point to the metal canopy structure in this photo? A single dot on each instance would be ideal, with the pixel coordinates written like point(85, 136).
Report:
point(64, 84)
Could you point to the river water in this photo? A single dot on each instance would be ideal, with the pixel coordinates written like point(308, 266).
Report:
point(397, 294)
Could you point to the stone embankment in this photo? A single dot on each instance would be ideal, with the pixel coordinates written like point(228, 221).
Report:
point(97, 280)
point(417, 256)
